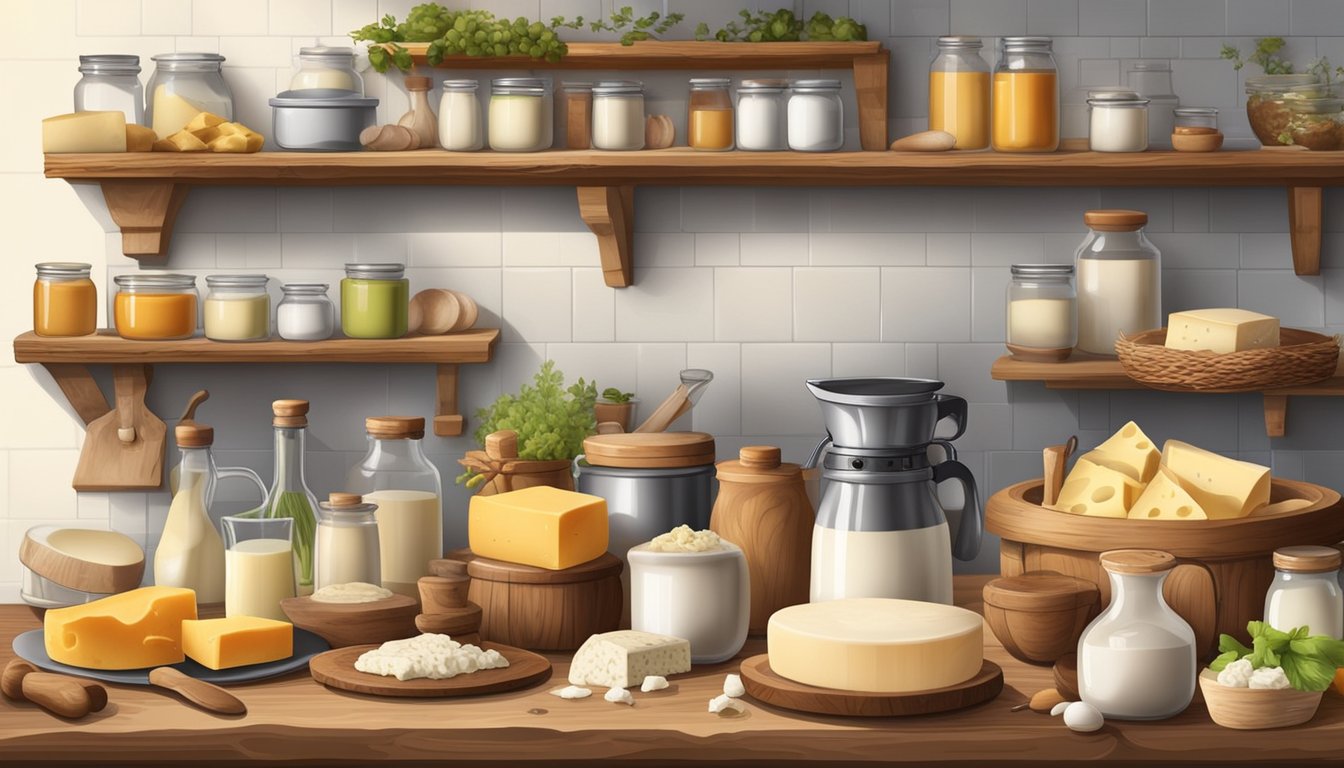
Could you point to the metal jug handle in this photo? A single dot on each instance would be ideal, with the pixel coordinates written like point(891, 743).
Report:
point(947, 446)
point(815, 459)
point(972, 528)
point(951, 406)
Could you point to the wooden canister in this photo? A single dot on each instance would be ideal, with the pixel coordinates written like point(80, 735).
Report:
point(764, 509)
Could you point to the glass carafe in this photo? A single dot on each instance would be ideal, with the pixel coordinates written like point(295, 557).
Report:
point(289, 495)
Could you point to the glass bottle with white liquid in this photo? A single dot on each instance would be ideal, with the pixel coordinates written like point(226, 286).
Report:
point(1119, 280)
point(1305, 591)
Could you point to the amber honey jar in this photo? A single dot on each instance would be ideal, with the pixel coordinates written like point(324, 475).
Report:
point(155, 307)
point(65, 301)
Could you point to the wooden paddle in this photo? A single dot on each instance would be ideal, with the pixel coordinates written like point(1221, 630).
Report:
point(123, 449)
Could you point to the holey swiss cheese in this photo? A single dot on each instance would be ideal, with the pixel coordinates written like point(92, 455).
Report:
point(876, 645)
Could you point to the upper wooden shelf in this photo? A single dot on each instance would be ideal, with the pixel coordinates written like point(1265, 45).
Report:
point(675, 54)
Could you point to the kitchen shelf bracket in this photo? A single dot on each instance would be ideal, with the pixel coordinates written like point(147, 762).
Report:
point(145, 210)
point(1304, 222)
point(1276, 415)
point(610, 213)
point(447, 421)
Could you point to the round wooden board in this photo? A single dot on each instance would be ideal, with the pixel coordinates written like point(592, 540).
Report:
point(486, 569)
point(763, 684)
point(337, 670)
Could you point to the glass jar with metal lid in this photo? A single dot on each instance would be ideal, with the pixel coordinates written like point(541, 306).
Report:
point(709, 122)
point(575, 118)
point(1026, 97)
point(959, 91)
point(461, 127)
point(111, 83)
point(375, 301)
point(816, 116)
point(1204, 118)
point(1042, 320)
point(1306, 592)
point(65, 300)
point(184, 84)
point(1119, 280)
point(1267, 100)
point(519, 117)
point(237, 308)
point(328, 67)
point(547, 102)
point(157, 307)
point(762, 115)
point(618, 115)
point(305, 313)
point(1118, 121)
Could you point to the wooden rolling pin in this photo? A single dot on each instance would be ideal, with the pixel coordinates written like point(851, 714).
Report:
point(62, 695)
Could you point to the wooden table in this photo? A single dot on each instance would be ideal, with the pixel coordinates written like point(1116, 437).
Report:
point(294, 718)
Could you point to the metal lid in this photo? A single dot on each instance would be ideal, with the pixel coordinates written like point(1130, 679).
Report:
point(304, 289)
point(1115, 220)
point(160, 280)
point(521, 82)
point(326, 52)
point(63, 269)
point(516, 90)
point(1137, 561)
point(873, 391)
point(764, 85)
point(1116, 98)
point(707, 83)
point(189, 62)
point(1196, 111)
point(395, 427)
point(1307, 559)
point(1026, 42)
point(236, 281)
point(109, 64)
point(618, 87)
point(186, 56)
point(322, 98)
point(461, 85)
point(376, 271)
point(576, 85)
point(1041, 270)
point(961, 41)
point(650, 450)
point(815, 86)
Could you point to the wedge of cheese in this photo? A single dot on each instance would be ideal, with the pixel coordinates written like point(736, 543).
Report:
point(1225, 488)
point(541, 526)
point(876, 644)
point(132, 630)
point(237, 641)
point(1097, 491)
point(1165, 499)
point(1129, 451)
point(622, 659)
point(85, 132)
point(1221, 330)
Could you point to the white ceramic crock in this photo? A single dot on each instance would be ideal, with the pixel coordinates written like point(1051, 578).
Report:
point(704, 597)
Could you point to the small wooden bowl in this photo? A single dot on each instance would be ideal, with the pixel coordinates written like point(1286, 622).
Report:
point(1251, 709)
point(1200, 142)
point(1039, 616)
point(343, 624)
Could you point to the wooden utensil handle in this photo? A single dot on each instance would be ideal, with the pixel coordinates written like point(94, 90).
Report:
point(63, 695)
point(205, 695)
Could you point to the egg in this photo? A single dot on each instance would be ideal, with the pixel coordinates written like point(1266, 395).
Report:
point(1083, 717)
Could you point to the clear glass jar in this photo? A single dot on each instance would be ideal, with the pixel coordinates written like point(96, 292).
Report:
point(461, 124)
point(1026, 97)
point(1136, 661)
point(184, 84)
point(709, 120)
point(111, 82)
point(375, 301)
point(959, 91)
point(258, 566)
point(762, 115)
point(576, 115)
point(1267, 102)
point(1197, 118)
point(305, 313)
point(289, 495)
point(816, 116)
point(1305, 591)
point(347, 542)
point(1118, 121)
point(519, 120)
point(1119, 280)
point(237, 308)
point(618, 115)
point(396, 476)
point(159, 307)
point(65, 300)
point(1151, 79)
point(328, 67)
point(1042, 321)
point(1315, 124)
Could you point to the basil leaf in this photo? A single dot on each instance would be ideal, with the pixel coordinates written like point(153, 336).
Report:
point(1228, 643)
point(1330, 648)
point(1264, 654)
point(1220, 663)
point(1308, 672)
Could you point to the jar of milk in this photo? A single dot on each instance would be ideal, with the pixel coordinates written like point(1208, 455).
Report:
point(1136, 661)
point(1119, 280)
point(1042, 312)
point(347, 542)
point(1305, 591)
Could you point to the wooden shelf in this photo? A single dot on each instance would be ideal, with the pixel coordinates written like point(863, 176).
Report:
point(1083, 371)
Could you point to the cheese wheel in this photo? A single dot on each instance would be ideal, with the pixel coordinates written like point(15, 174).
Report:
point(876, 645)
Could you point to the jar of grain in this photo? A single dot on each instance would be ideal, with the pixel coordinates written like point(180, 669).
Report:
point(1118, 121)
point(577, 114)
point(816, 116)
point(762, 112)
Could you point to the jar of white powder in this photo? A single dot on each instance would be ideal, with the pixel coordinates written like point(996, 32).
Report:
point(762, 109)
point(305, 313)
point(618, 115)
point(816, 116)
point(1119, 121)
point(1042, 321)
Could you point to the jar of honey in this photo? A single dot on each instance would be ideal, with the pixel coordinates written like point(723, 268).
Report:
point(155, 307)
point(959, 92)
point(65, 301)
point(1026, 97)
point(710, 116)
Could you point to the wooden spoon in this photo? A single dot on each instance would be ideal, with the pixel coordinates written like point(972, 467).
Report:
point(207, 696)
point(1056, 459)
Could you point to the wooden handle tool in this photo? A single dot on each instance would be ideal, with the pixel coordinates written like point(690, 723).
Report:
point(207, 696)
point(62, 695)
point(1056, 465)
point(189, 415)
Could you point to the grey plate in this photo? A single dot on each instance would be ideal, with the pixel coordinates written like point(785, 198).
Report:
point(30, 647)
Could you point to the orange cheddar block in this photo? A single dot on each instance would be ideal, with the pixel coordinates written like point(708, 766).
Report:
point(541, 526)
point(131, 630)
point(237, 641)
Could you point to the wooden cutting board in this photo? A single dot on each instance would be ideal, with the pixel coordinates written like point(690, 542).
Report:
point(764, 685)
point(336, 669)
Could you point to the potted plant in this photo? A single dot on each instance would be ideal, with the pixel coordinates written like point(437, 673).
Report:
point(615, 406)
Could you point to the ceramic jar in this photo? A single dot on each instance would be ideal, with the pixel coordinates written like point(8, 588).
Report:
point(703, 597)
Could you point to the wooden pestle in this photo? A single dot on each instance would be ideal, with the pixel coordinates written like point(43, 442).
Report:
point(62, 695)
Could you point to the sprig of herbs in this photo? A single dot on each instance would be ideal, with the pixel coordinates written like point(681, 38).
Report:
point(783, 26)
point(1266, 55)
point(614, 395)
point(1309, 663)
point(634, 29)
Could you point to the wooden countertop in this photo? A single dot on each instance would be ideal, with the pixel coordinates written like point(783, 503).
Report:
point(294, 718)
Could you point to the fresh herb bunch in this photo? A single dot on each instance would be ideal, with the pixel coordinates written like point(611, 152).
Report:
point(473, 33)
point(614, 395)
point(1266, 55)
point(1309, 663)
point(632, 29)
point(782, 26)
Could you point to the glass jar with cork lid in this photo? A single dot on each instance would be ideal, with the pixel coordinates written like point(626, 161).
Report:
point(1306, 592)
point(346, 550)
point(1119, 280)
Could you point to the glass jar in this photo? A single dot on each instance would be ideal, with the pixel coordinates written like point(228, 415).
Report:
point(305, 312)
point(1119, 280)
point(1118, 121)
point(375, 301)
point(1151, 79)
point(1267, 103)
point(157, 307)
point(1201, 119)
point(347, 542)
point(1305, 591)
point(519, 120)
point(184, 84)
point(237, 308)
point(396, 476)
point(1315, 124)
point(65, 300)
point(618, 115)
point(258, 566)
point(816, 116)
point(289, 495)
point(1042, 318)
point(959, 92)
point(461, 127)
point(762, 115)
point(709, 122)
point(111, 82)
point(1136, 661)
point(328, 67)
point(576, 118)
point(1026, 97)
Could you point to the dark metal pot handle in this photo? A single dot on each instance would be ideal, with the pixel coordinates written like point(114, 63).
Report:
point(972, 528)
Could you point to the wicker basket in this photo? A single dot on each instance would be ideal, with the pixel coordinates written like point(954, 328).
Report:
point(1303, 357)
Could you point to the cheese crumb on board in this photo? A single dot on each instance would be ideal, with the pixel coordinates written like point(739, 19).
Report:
point(683, 539)
point(572, 692)
point(436, 657)
point(619, 696)
point(354, 592)
point(623, 658)
point(732, 686)
point(724, 703)
point(653, 683)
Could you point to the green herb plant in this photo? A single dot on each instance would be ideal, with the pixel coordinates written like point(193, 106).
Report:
point(470, 33)
point(1266, 55)
point(614, 395)
point(782, 26)
point(1309, 663)
point(634, 29)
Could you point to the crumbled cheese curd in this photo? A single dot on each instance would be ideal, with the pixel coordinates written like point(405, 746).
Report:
point(724, 703)
point(1237, 674)
point(619, 696)
point(431, 656)
point(572, 692)
point(1271, 678)
point(683, 539)
point(653, 683)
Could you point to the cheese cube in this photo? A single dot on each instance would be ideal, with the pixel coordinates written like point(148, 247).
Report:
point(85, 132)
point(1225, 488)
point(1221, 330)
point(622, 659)
point(541, 526)
point(1165, 499)
point(139, 138)
point(1128, 451)
point(131, 630)
point(1097, 491)
point(237, 641)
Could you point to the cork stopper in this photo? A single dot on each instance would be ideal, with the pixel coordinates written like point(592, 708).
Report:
point(194, 435)
point(759, 456)
point(1307, 559)
point(338, 499)
point(290, 413)
point(395, 427)
point(1115, 220)
point(1137, 561)
point(418, 83)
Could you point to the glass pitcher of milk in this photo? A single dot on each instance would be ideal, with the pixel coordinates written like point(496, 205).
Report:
point(259, 566)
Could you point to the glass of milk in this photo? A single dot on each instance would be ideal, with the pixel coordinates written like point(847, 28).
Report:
point(258, 566)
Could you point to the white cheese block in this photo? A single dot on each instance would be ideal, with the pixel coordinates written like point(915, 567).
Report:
point(1096, 491)
point(1221, 330)
point(876, 644)
point(1129, 451)
point(1165, 499)
point(624, 658)
point(1225, 488)
point(85, 132)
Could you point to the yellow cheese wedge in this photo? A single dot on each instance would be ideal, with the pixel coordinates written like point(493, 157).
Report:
point(85, 132)
point(542, 526)
point(1165, 499)
point(237, 641)
point(1221, 330)
point(1129, 451)
point(172, 113)
point(1225, 488)
point(132, 630)
point(139, 138)
point(1097, 491)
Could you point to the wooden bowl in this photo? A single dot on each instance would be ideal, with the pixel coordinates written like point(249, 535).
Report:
point(1039, 616)
point(344, 624)
point(1252, 709)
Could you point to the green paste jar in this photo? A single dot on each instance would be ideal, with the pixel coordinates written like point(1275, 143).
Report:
point(375, 299)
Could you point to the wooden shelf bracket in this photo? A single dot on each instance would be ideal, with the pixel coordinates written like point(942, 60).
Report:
point(447, 421)
point(1276, 415)
point(610, 213)
point(146, 211)
point(1304, 222)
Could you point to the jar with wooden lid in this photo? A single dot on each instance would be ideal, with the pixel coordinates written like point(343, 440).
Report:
point(1305, 591)
point(1119, 274)
point(65, 300)
point(347, 541)
point(763, 508)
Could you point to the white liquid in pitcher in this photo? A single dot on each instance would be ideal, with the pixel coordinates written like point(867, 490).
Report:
point(912, 565)
point(1115, 296)
point(259, 573)
point(410, 534)
point(1136, 683)
point(191, 552)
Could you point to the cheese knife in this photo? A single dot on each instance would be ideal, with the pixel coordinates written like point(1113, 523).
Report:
point(207, 696)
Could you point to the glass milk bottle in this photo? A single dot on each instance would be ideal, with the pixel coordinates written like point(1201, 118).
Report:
point(1119, 280)
point(347, 541)
point(289, 495)
point(258, 566)
point(1136, 661)
point(1305, 591)
point(396, 476)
